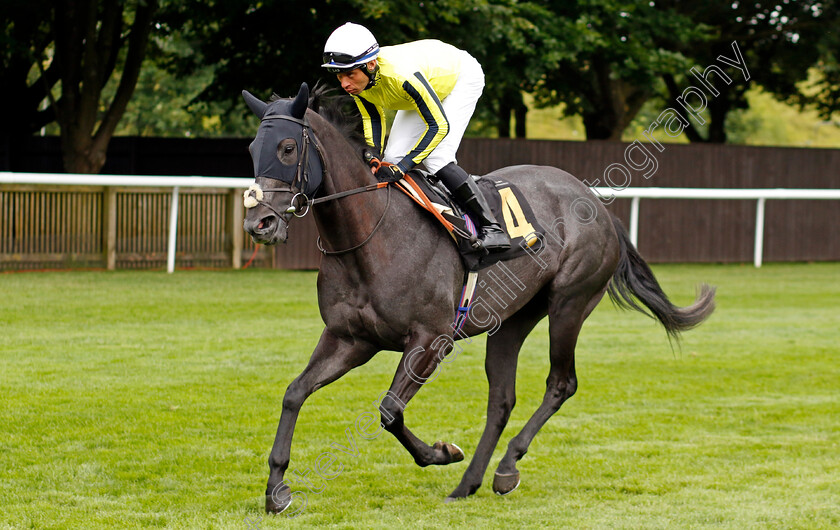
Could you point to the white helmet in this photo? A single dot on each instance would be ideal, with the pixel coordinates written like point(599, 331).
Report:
point(349, 47)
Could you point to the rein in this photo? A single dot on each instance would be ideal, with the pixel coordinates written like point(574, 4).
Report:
point(375, 228)
point(342, 194)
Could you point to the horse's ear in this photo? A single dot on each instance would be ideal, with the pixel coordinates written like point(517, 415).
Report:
point(256, 105)
point(301, 102)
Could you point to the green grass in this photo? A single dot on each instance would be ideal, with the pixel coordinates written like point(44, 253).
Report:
point(140, 399)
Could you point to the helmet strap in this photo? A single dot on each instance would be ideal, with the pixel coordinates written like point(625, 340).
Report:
point(371, 73)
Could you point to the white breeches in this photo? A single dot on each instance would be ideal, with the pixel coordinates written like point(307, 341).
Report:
point(459, 105)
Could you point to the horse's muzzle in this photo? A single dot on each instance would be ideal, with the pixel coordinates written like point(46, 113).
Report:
point(267, 229)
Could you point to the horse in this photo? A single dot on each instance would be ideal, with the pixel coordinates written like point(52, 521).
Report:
point(390, 279)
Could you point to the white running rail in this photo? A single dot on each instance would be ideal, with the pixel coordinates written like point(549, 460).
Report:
point(757, 194)
point(176, 183)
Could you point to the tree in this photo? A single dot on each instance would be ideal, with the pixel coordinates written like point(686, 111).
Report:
point(824, 92)
point(612, 53)
point(600, 57)
point(162, 104)
point(25, 39)
point(511, 39)
point(780, 41)
point(516, 45)
point(264, 47)
point(273, 46)
point(58, 58)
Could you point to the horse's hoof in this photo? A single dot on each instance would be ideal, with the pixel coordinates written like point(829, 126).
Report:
point(456, 454)
point(279, 499)
point(505, 483)
point(451, 499)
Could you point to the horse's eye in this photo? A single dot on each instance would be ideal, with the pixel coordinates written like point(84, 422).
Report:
point(286, 151)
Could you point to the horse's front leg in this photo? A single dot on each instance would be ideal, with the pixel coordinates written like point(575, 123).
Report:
point(332, 358)
point(417, 367)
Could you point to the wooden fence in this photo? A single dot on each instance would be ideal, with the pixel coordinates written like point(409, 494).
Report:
point(125, 228)
point(683, 230)
point(59, 228)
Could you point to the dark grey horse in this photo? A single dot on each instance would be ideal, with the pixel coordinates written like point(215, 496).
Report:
point(391, 280)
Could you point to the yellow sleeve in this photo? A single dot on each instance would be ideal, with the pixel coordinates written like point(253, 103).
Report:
point(431, 111)
point(373, 121)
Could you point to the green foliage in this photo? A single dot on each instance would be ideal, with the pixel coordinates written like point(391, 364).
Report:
point(613, 52)
point(765, 121)
point(273, 46)
point(780, 42)
point(768, 121)
point(823, 89)
point(598, 61)
point(164, 102)
point(265, 47)
point(601, 60)
point(140, 399)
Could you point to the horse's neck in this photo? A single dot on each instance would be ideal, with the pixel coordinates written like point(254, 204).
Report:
point(344, 222)
point(344, 169)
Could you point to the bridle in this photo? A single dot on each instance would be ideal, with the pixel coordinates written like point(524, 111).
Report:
point(300, 182)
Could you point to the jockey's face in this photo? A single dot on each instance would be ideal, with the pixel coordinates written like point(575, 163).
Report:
point(354, 81)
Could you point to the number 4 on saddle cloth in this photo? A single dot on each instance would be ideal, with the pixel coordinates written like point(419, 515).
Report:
point(507, 203)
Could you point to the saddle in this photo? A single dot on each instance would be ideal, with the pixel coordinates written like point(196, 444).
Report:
point(506, 202)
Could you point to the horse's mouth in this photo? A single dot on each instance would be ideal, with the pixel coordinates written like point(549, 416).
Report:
point(268, 230)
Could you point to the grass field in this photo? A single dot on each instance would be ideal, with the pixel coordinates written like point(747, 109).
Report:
point(140, 399)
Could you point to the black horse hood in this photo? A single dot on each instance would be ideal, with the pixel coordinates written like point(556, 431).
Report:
point(281, 119)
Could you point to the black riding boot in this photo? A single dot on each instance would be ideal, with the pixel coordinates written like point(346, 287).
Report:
point(466, 192)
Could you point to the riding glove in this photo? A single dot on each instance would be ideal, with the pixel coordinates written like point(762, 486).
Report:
point(389, 173)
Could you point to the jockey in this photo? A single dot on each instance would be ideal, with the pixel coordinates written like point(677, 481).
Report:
point(434, 87)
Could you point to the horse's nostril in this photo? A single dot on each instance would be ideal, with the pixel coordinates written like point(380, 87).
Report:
point(266, 223)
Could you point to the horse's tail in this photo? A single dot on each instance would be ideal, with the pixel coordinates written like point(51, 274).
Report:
point(634, 279)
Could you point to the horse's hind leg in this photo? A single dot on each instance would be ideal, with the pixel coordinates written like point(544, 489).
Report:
point(500, 365)
point(565, 321)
